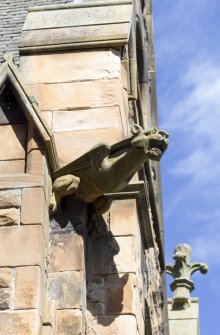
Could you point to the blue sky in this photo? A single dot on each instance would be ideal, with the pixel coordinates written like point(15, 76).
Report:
point(187, 47)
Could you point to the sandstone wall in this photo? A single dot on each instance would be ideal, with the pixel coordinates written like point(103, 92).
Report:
point(64, 275)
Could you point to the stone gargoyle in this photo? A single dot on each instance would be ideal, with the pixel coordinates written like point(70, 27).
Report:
point(107, 169)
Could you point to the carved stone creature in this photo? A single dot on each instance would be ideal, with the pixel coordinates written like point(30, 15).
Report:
point(107, 169)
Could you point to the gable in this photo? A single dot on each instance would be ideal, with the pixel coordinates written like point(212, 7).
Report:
point(17, 105)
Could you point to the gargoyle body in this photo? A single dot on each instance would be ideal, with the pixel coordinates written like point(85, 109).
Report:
point(107, 169)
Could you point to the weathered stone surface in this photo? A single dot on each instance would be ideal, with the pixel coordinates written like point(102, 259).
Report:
point(13, 166)
point(6, 277)
point(5, 298)
point(66, 253)
point(124, 110)
point(10, 198)
point(9, 216)
point(124, 73)
point(19, 180)
point(79, 95)
point(20, 323)
point(22, 246)
point(69, 321)
point(66, 287)
point(122, 217)
point(32, 209)
point(77, 16)
point(48, 117)
point(108, 325)
point(49, 313)
point(96, 308)
point(14, 139)
point(94, 118)
point(95, 282)
point(153, 294)
point(47, 330)
point(96, 295)
point(108, 254)
point(28, 287)
point(36, 162)
point(71, 145)
point(120, 294)
point(34, 139)
point(76, 36)
point(70, 66)
point(184, 327)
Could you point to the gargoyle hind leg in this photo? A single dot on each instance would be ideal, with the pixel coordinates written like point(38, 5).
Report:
point(62, 186)
point(96, 209)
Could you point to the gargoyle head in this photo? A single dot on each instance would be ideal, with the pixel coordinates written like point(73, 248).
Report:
point(154, 142)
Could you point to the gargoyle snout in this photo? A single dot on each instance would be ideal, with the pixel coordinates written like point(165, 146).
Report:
point(164, 134)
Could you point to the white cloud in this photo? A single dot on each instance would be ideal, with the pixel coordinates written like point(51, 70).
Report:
point(195, 121)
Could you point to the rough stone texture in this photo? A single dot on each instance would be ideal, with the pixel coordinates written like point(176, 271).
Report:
point(49, 313)
point(71, 145)
point(120, 294)
point(6, 277)
point(184, 321)
point(20, 323)
point(66, 253)
point(47, 330)
point(79, 95)
point(122, 217)
point(36, 162)
point(9, 216)
point(66, 288)
point(93, 118)
point(69, 321)
point(153, 293)
point(109, 325)
point(5, 298)
point(28, 287)
point(34, 199)
point(71, 66)
point(14, 139)
point(10, 198)
point(22, 246)
point(108, 254)
point(14, 166)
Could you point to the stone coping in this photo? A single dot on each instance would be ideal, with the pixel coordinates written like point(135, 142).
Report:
point(80, 5)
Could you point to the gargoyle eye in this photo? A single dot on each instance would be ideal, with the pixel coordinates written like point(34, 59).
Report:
point(151, 131)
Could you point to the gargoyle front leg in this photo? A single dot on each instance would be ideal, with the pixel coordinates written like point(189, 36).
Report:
point(100, 206)
point(62, 186)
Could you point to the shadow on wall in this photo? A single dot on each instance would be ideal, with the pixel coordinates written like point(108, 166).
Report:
point(105, 286)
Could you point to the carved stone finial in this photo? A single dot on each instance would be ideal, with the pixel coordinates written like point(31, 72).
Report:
point(8, 56)
point(182, 271)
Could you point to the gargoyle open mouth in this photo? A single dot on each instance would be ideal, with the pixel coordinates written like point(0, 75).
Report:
point(157, 147)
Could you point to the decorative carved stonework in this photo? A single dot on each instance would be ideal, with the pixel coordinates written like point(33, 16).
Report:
point(182, 271)
point(107, 169)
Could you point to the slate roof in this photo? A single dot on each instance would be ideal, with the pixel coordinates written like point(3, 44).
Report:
point(12, 17)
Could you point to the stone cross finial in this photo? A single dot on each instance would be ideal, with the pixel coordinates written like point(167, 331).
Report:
point(182, 271)
point(8, 56)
